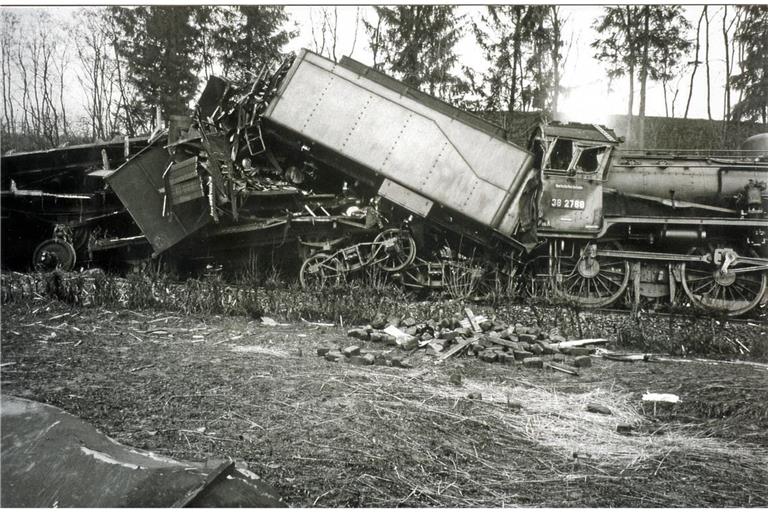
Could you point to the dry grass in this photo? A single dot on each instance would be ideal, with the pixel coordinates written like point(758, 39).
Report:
point(332, 434)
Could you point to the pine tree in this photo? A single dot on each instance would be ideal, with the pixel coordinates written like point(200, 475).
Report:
point(417, 43)
point(247, 37)
point(161, 50)
point(752, 81)
point(522, 44)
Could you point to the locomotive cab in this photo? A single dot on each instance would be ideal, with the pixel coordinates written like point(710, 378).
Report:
point(573, 162)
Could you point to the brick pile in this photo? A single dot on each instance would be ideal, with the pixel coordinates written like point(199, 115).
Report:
point(493, 342)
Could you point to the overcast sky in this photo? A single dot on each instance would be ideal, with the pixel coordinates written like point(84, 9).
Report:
point(589, 96)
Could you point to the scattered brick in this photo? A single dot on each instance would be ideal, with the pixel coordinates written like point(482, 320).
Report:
point(364, 360)
point(321, 351)
point(334, 356)
point(360, 334)
point(533, 362)
point(351, 351)
point(408, 343)
point(522, 354)
point(449, 335)
point(577, 351)
point(489, 356)
point(582, 362)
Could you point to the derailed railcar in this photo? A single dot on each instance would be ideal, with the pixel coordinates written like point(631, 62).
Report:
point(416, 151)
point(57, 210)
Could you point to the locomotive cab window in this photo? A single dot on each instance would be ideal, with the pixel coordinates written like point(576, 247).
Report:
point(561, 155)
point(589, 160)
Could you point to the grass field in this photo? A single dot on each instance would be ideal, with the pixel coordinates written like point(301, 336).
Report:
point(333, 434)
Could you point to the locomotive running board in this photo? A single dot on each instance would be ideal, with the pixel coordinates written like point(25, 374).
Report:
point(759, 263)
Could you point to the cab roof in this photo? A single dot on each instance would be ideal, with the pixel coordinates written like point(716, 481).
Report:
point(581, 131)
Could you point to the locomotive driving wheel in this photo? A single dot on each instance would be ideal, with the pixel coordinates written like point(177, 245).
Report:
point(319, 270)
point(733, 292)
point(54, 253)
point(589, 280)
point(393, 250)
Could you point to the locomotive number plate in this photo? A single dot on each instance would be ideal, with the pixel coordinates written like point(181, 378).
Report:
point(568, 204)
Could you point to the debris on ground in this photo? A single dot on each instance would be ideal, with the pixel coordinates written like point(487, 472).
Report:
point(483, 338)
point(340, 435)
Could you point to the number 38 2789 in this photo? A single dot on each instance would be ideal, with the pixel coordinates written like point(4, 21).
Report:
point(571, 204)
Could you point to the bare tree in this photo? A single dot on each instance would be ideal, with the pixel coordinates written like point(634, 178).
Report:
point(706, 64)
point(8, 33)
point(729, 48)
point(695, 62)
point(324, 28)
point(97, 74)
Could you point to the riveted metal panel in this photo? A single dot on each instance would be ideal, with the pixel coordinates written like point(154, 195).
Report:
point(432, 151)
point(406, 198)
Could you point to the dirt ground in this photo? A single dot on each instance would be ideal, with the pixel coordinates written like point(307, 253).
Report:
point(333, 434)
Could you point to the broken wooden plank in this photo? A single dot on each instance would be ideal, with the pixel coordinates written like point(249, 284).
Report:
point(580, 343)
point(629, 358)
point(472, 320)
point(661, 397)
point(454, 350)
point(561, 369)
point(503, 343)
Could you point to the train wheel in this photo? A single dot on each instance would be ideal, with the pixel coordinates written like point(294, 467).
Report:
point(592, 281)
point(393, 249)
point(319, 270)
point(732, 293)
point(52, 254)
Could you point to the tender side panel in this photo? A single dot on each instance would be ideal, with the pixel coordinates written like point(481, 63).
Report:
point(439, 157)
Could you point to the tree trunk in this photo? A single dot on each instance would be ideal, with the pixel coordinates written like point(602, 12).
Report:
point(695, 65)
point(706, 64)
point(556, 36)
point(644, 75)
point(631, 75)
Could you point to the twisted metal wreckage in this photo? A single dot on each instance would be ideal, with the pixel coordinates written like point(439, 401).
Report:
point(346, 168)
